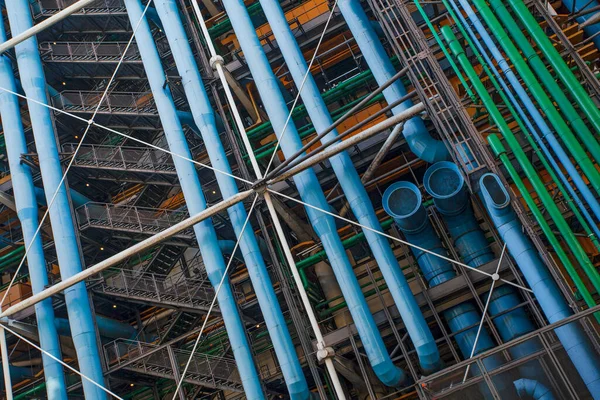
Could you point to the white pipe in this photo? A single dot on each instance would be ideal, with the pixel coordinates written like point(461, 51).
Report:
point(5, 365)
point(45, 24)
point(125, 254)
point(322, 351)
point(354, 140)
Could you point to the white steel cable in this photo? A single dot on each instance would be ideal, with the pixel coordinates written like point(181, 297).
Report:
point(495, 278)
point(397, 239)
point(58, 110)
point(214, 300)
point(4, 326)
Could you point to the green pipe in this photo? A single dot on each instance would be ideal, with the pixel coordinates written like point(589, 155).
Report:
point(537, 65)
point(546, 105)
point(445, 51)
point(563, 71)
point(525, 131)
point(18, 250)
point(523, 160)
point(225, 26)
point(500, 152)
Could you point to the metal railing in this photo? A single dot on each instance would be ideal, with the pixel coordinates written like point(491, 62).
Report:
point(194, 293)
point(167, 362)
point(130, 218)
point(89, 52)
point(49, 7)
point(123, 158)
point(136, 103)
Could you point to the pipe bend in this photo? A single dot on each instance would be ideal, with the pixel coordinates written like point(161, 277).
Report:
point(529, 388)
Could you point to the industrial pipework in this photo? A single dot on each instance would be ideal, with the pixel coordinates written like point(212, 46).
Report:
point(310, 191)
point(27, 210)
point(417, 137)
point(190, 185)
point(355, 192)
point(553, 304)
point(63, 228)
point(204, 118)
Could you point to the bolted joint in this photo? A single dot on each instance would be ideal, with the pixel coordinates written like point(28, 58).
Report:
point(260, 186)
point(216, 60)
point(324, 353)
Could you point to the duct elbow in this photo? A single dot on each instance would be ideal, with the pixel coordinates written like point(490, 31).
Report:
point(389, 374)
point(422, 144)
point(529, 388)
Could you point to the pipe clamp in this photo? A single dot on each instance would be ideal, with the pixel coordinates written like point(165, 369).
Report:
point(214, 60)
point(325, 353)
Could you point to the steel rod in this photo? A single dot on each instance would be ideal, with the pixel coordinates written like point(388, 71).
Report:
point(45, 24)
point(122, 256)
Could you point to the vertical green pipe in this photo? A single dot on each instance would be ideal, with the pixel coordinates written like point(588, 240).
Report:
point(537, 65)
point(563, 71)
point(523, 160)
point(500, 152)
point(546, 105)
point(527, 134)
point(444, 50)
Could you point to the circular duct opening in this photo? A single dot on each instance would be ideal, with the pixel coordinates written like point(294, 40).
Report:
point(401, 200)
point(493, 188)
point(443, 180)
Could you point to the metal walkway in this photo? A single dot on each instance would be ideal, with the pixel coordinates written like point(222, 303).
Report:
point(167, 362)
point(193, 295)
point(121, 158)
point(89, 52)
point(132, 219)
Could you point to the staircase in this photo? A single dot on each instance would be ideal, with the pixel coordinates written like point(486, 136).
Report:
point(167, 362)
point(193, 295)
point(125, 218)
point(121, 158)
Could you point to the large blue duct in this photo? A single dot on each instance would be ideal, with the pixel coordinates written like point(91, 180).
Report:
point(107, 327)
point(311, 192)
point(76, 297)
point(204, 118)
point(27, 212)
point(545, 132)
point(531, 389)
point(547, 293)
point(444, 182)
point(403, 202)
point(417, 137)
point(355, 192)
point(190, 185)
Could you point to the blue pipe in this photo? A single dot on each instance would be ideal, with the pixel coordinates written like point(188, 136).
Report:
point(547, 293)
point(403, 202)
point(17, 374)
point(544, 129)
point(77, 198)
point(192, 190)
point(205, 119)
point(355, 192)
point(513, 324)
point(417, 137)
point(444, 182)
point(580, 5)
point(531, 389)
point(67, 250)
point(107, 327)
point(311, 193)
point(27, 210)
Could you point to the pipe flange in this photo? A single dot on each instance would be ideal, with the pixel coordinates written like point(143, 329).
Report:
point(216, 59)
point(325, 353)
